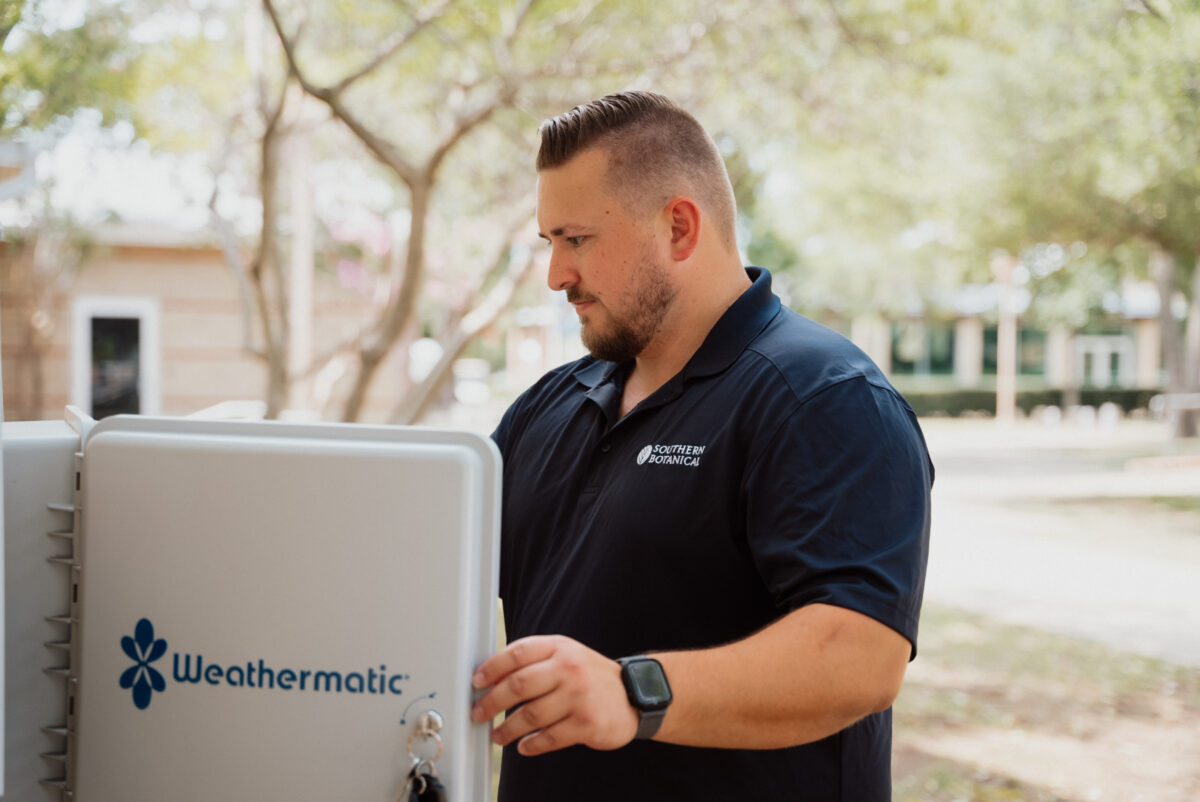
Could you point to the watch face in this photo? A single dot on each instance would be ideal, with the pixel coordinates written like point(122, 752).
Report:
point(648, 684)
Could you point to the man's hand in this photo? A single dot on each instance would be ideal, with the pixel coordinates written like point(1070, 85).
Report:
point(571, 695)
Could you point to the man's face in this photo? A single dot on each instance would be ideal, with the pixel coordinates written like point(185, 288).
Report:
point(609, 263)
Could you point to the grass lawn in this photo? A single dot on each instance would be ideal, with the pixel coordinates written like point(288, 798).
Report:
point(991, 711)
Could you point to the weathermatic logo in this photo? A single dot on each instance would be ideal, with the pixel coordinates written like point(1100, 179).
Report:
point(192, 669)
point(143, 649)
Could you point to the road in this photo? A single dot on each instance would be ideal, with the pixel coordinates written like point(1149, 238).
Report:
point(1092, 532)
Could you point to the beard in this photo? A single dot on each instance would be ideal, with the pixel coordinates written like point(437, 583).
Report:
point(631, 331)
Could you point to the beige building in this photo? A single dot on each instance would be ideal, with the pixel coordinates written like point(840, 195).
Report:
point(155, 324)
point(925, 354)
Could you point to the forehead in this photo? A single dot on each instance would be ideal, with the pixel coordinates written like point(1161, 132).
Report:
point(574, 192)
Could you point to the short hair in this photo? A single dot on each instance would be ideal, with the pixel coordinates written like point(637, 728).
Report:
point(656, 150)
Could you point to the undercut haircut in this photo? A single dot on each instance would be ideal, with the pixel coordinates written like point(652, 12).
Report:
point(656, 151)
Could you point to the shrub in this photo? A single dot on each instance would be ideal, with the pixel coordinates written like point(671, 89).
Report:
point(955, 403)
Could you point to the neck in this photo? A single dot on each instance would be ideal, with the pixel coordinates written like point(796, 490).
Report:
point(684, 330)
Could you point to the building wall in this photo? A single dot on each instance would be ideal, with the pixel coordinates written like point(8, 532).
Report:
point(201, 359)
point(968, 351)
point(1148, 344)
point(1070, 359)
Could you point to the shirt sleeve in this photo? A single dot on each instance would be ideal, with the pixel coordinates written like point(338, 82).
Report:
point(503, 429)
point(838, 505)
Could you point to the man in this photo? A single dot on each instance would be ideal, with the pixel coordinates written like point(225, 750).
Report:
point(722, 485)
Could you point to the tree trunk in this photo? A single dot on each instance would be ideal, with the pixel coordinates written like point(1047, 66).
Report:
point(267, 268)
point(1006, 341)
point(1189, 420)
point(418, 401)
point(30, 377)
point(402, 306)
point(1172, 342)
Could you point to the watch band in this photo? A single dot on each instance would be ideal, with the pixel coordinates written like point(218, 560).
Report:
point(648, 723)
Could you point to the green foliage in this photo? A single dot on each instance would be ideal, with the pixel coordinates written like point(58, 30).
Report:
point(955, 403)
point(50, 72)
point(10, 14)
point(881, 150)
point(939, 132)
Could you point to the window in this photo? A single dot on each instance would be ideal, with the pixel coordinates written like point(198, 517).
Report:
point(908, 347)
point(941, 349)
point(1031, 352)
point(1104, 360)
point(115, 356)
point(922, 349)
point(115, 366)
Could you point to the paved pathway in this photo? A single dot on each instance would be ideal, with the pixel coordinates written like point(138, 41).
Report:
point(1052, 528)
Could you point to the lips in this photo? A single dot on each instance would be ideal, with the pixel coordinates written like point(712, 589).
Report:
point(580, 301)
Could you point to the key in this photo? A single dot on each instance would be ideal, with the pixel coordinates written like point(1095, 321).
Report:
point(413, 773)
point(433, 791)
point(417, 783)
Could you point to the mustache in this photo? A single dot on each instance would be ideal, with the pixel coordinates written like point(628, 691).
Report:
point(576, 296)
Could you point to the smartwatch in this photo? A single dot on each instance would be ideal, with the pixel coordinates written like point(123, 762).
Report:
point(648, 691)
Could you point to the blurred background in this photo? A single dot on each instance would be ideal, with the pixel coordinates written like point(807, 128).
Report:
point(323, 210)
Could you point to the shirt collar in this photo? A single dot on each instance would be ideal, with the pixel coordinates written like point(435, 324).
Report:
point(735, 329)
point(595, 372)
point(740, 324)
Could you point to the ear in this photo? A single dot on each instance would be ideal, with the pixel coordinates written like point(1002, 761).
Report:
point(685, 220)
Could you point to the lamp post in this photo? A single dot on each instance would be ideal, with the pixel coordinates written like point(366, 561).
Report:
point(1003, 266)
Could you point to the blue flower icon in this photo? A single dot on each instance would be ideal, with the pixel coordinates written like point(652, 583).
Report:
point(144, 650)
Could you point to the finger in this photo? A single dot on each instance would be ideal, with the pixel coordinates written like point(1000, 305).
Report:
point(522, 685)
point(517, 654)
point(559, 736)
point(543, 713)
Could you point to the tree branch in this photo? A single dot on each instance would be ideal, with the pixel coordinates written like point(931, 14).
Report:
point(464, 127)
point(232, 258)
point(849, 33)
point(416, 403)
point(1152, 11)
point(383, 150)
point(519, 20)
point(265, 252)
point(501, 263)
point(502, 48)
point(878, 44)
point(319, 362)
point(392, 45)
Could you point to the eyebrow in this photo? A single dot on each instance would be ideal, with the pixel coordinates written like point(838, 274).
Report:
point(558, 232)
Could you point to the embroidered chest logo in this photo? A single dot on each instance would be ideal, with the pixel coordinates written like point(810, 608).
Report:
point(677, 454)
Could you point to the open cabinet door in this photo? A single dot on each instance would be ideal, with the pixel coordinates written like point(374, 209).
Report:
point(263, 610)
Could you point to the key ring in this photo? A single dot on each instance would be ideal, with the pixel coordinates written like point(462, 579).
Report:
point(427, 734)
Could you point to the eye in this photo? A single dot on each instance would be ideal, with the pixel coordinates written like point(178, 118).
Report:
point(575, 241)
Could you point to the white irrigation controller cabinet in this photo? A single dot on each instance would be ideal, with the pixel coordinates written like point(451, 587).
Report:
point(207, 610)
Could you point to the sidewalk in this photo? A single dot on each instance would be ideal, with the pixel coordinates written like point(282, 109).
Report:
point(1060, 529)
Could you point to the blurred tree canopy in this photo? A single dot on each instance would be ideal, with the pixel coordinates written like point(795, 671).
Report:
point(882, 151)
point(51, 69)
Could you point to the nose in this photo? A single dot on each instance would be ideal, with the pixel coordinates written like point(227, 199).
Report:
point(562, 274)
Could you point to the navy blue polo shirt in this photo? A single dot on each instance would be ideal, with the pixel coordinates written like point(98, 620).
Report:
point(779, 468)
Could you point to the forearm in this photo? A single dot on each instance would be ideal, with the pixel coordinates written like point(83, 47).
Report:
point(808, 675)
point(812, 673)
